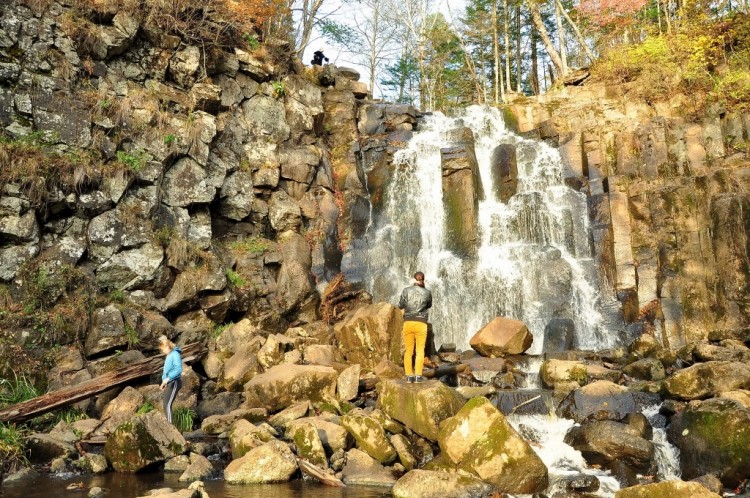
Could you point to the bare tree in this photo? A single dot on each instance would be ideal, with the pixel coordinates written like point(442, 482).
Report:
point(536, 18)
point(579, 36)
point(561, 39)
point(308, 12)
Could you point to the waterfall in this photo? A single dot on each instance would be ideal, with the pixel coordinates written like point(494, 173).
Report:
point(534, 258)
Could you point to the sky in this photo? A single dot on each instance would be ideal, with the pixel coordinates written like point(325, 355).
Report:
point(347, 11)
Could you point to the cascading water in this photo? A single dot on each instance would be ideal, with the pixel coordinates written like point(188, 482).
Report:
point(534, 260)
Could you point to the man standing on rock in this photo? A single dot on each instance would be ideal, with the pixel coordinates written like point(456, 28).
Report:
point(415, 301)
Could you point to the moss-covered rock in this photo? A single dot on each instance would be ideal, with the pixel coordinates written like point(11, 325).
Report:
point(284, 385)
point(269, 463)
point(370, 436)
point(420, 407)
point(602, 442)
point(143, 440)
point(604, 399)
point(714, 438)
point(705, 380)
point(667, 489)
point(480, 441)
point(309, 446)
point(245, 436)
point(427, 483)
point(371, 333)
point(216, 424)
point(333, 436)
point(363, 470)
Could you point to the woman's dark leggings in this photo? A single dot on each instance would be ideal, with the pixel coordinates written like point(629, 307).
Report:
point(170, 393)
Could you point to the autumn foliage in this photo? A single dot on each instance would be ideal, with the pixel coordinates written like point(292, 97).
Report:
point(606, 13)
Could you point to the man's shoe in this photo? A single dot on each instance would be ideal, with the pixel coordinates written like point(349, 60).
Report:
point(410, 378)
point(419, 379)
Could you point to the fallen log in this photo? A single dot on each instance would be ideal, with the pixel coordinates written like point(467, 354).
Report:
point(318, 473)
point(369, 384)
point(67, 396)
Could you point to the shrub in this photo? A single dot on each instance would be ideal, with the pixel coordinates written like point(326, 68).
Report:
point(12, 451)
point(253, 245)
point(235, 278)
point(17, 390)
point(183, 419)
point(219, 329)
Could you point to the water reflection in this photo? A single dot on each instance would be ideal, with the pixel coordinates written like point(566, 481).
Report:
point(132, 485)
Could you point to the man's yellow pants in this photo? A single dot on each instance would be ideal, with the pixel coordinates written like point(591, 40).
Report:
point(415, 336)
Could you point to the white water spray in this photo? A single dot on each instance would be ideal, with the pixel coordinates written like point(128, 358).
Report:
point(534, 260)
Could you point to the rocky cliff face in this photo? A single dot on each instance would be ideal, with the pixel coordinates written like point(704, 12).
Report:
point(668, 204)
point(149, 185)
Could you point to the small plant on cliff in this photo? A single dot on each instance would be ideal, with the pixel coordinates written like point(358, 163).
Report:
point(183, 419)
point(134, 162)
point(279, 89)
point(171, 139)
point(253, 245)
point(219, 329)
point(235, 278)
point(117, 296)
point(252, 41)
point(132, 336)
point(145, 408)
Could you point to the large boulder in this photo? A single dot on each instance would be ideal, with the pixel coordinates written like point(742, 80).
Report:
point(363, 470)
point(370, 436)
point(142, 441)
point(713, 437)
point(705, 380)
point(501, 337)
point(428, 483)
point(671, 489)
point(603, 442)
point(216, 424)
point(44, 448)
point(420, 407)
point(284, 385)
point(371, 333)
point(269, 463)
point(108, 331)
point(604, 400)
point(479, 440)
point(333, 436)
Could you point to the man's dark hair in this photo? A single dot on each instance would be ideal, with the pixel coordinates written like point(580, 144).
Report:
point(419, 276)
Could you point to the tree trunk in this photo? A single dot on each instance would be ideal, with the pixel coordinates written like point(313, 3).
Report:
point(561, 39)
point(534, 63)
point(69, 395)
point(496, 51)
point(508, 86)
point(519, 74)
point(577, 32)
point(536, 18)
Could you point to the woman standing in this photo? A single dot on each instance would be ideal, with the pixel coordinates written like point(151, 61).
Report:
point(170, 378)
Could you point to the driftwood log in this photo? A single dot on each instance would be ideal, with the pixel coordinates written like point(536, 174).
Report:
point(69, 395)
point(318, 473)
point(369, 384)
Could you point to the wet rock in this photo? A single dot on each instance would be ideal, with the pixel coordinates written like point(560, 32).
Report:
point(606, 441)
point(556, 372)
point(646, 369)
point(704, 380)
point(502, 336)
point(198, 469)
point(44, 448)
point(284, 385)
point(371, 333)
point(177, 464)
point(216, 424)
point(673, 489)
point(332, 435)
point(604, 400)
point(269, 463)
point(710, 482)
point(370, 436)
point(420, 407)
point(581, 483)
point(504, 172)
point(462, 190)
point(309, 446)
point(363, 470)
point(141, 441)
point(479, 440)
point(713, 438)
point(426, 484)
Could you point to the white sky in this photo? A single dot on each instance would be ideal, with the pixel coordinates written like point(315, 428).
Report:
point(347, 11)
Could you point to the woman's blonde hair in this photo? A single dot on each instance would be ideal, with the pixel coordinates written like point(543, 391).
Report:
point(164, 341)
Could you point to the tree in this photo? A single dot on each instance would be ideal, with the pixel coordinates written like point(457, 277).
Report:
point(541, 29)
point(308, 17)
